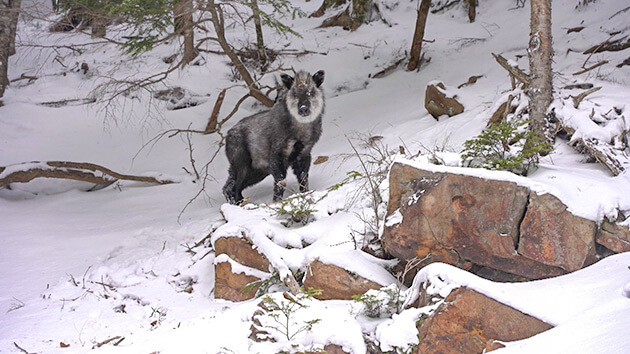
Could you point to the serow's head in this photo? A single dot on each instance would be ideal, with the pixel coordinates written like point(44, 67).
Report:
point(304, 99)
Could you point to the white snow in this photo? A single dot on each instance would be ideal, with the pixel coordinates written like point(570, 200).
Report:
point(79, 267)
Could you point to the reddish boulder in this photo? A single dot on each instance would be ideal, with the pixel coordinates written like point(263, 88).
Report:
point(438, 103)
point(233, 286)
point(551, 235)
point(614, 236)
point(335, 282)
point(242, 251)
point(468, 322)
point(458, 219)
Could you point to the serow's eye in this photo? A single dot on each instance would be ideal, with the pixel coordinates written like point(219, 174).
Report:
point(309, 93)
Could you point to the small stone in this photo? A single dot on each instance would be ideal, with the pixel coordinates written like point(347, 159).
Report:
point(438, 104)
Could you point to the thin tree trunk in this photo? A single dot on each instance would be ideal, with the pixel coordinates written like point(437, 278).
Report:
point(15, 15)
point(183, 24)
point(540, 54)
point(418, 35)
point(218, 23)
point(472, 10)
point(262, 57)
point(7, 36)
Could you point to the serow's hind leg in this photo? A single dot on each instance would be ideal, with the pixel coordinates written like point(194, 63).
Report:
point(229, 189)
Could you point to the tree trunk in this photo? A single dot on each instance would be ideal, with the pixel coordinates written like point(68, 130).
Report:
point(8, 12)
point(15, 15)
point(540, 54)
point(262, 57)
point(218, 24)
point(183, 24)
point(472, 10)
point(99, 25)
point(327, 4)
point(352, 17)
point(418, 35)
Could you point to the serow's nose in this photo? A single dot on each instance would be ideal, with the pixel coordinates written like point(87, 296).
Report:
point(303, 110)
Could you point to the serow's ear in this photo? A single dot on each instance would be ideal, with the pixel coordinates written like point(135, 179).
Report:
point(287, 81)
point(318, 78)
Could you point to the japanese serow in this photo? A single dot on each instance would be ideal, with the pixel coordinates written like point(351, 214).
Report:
point(267, 143)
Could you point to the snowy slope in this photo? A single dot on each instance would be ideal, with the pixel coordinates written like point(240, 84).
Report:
point(82, 267)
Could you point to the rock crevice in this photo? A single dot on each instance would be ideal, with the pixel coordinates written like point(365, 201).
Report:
point(476, 223)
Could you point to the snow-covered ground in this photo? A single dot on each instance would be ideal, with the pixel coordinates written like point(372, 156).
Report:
point(80, 268)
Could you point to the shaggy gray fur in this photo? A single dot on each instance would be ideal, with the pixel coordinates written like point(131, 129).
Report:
point(269, 142)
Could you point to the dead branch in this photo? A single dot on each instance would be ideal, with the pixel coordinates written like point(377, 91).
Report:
point(602, 153)
point(71, 102)
point(25, 77)
point(388, 70)
point(78, 171)
point(190, 153)
point(577, 99)
point(575, 29)
point(619, 12)
point(116, 340)
point(212, 122)
point(590, 68)
point(21, 349)
point(292, 284)
point(515, 72)
point(608, 46)
point(584, 86)
point(202, 241)
point(625, 62)
point(218, 22)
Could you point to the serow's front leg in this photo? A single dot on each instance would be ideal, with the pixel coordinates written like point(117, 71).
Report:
point(279, 173)
point(300, 168)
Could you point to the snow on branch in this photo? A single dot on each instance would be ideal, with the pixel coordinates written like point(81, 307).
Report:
point(78, 171)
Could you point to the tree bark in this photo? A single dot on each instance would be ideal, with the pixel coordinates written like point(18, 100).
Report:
point(472, 10)
point(8, 25)
point(352, 17)
point(327, 4)
point(262, 57)
point(218, 23)
point(418, 35)
point(540, 55)
point(15, 15)
point(183, 24)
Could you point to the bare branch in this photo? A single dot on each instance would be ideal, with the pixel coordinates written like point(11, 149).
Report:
point(515, 72)
point(577, 99)
point(590, 68)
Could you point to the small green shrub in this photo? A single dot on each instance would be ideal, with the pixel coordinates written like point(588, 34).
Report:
point(279, 315)
point(507, 146)
point(297, 209)
point(380, 303)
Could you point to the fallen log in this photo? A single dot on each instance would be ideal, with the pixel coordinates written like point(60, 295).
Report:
point(78, 171)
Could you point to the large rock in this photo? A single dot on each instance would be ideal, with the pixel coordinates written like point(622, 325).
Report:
point(614, 236)
point(438, 103)
point(550, 234)
point(230, 284)
point(458, 219)
point(336, 283)
point(242, 251)
point(469, 322)
point(233, 286)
